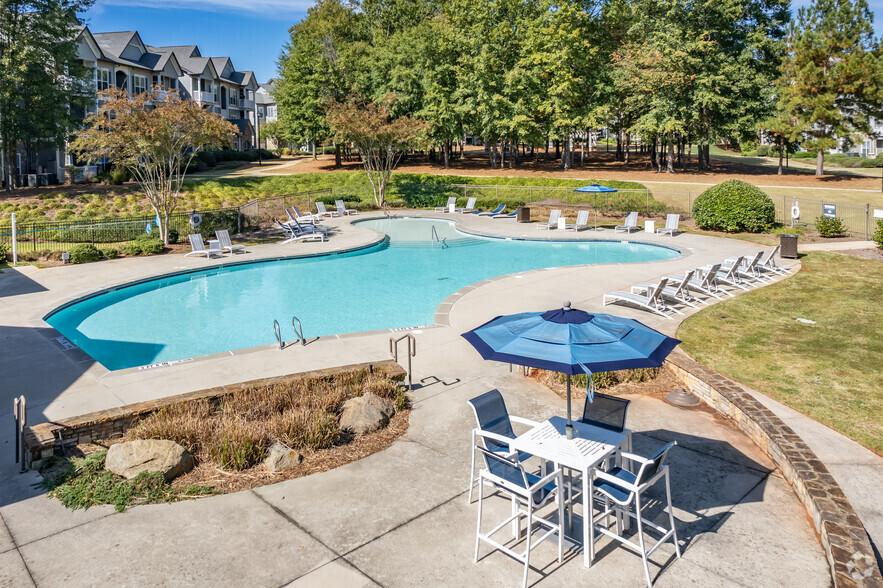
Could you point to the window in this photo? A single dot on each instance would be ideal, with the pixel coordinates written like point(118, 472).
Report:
point(214, 93)
point(234, 97)
point(271, 112)
point(139, 84)
point(102, 79)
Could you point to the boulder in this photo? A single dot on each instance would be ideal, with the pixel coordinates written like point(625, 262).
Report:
point(130, 458)
point(365, 414)
point(281, 457)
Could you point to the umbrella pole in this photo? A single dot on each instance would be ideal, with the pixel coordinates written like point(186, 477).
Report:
point(569, 428)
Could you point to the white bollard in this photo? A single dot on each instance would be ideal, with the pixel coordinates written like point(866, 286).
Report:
point(14, 242)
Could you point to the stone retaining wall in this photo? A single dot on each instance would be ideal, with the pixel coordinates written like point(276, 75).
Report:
point(844, 538)
point(40, 441)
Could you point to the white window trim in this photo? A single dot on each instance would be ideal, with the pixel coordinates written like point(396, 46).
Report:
point(98, 79)
point(135, 79)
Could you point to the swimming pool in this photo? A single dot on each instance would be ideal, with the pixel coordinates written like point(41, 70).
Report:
point(396, 283)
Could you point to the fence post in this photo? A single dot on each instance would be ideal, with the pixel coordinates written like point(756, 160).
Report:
point(14, 242)
point(91, 229)
point(34, 235)
point(239, 219)
point(867, 221)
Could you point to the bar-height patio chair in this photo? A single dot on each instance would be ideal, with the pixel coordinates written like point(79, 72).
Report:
point(342, 207)
point(553, 220)
point(452, 201)
point(652, 301)
point(619, 489)
point(582, 222)
point(608, 412)
point(499, 209)
point(630, 224)
point(495, 424)
point(224, 240)
point(528, 493)
point(198, 247)
point(292, 235)
point(671, 225)
point(469, 208)
point(676, 291)
point(703, 281)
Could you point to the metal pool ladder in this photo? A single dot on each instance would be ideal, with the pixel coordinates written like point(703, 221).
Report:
point(296, 327)
point(435, 238)
point(412, 351)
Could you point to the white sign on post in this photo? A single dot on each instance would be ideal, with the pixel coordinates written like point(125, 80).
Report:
point(878, 213)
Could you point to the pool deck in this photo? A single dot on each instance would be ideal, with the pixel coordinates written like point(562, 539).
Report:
point(398, 517)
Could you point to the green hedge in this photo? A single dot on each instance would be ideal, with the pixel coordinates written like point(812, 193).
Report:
point(878, 234)
point(734, 206)
point(829, 226)
point(84, 253)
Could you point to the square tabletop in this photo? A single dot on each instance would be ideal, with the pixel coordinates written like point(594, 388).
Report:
point(589, 446)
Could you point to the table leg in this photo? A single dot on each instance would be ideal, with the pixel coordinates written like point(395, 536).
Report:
point(588, 526)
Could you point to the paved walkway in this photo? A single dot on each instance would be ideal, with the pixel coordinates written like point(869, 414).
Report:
point(398, 517)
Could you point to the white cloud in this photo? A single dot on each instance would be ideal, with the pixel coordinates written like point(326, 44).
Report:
point(256, 7)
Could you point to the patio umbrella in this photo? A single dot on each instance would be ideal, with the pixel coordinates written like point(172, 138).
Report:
point(571, 341)
point(595, 188)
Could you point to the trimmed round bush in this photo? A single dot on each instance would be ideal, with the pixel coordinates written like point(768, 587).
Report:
point(84, 253)
point(829, 226)
point(109, 252)
point(734, 206)
point(878, 234)
point(763, 150)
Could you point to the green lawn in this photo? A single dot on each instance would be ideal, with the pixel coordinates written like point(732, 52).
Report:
point(831, 371)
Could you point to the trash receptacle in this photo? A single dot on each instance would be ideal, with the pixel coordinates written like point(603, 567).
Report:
point(522, 214)
point(788, 246)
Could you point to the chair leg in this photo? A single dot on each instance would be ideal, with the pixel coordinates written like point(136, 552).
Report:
point(527, 551)
point(671, 516)
point(478, 529)
point(472, 469)
point(641, 539)
point(561, 501)
point(516, 522)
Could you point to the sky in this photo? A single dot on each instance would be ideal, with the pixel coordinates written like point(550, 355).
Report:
point(250, 32)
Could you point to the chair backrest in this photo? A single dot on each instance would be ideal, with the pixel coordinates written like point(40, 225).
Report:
point(731, 273)
point(492, 416)
point(223, 238)
point(285, 228)
point(682, 287)
point(708, 278)
point(451, 200)
point(768, 260)
point(656, 293)
point(554, 216)
point(290, 216)
point(755, 260)
point(196, 242)
point(320, 206)
point(651, 468)
point(498, 209)
point(339, 204)
point(672, 220)
point(582, 218)
point(470, 204)
point(607, 412)
point(631, 219)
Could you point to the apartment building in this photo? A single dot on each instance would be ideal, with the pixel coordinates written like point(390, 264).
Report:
point(122, 60)
point(265, 110)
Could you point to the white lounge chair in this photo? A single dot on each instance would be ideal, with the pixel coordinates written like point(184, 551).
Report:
point(291, 236)
point(582, 222)
point(768, 264)
point(342, 207)
point(452, 201)
point(676, 291)
point(512, 214)
point(747, 270)
point(301, 217)
point(299, 228)
point(224, 239)
point(729, 274)
point(703, 281)
point(469, 208)
point(498, 210)
point(553, 220)
point(652, 301)
point(198, 247)
point(671, 225)
point(322, 211)
point(631, 223)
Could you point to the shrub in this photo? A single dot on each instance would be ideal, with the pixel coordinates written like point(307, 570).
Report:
point(5, 250)
point(84, 253)
point(149, 243)
point(804, 155)
point(734, 206)
point(286, 151)
point(174, 235)
point(109, 252)
point(878, 234)
point(216, 221)
point(118, 176)
point(829, 226)
point(208, 158)
point(131, 249)
point(763, 150)
point(63, 214)
point(872, 162)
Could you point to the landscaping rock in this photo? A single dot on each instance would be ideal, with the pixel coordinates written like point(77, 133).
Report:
point(365, 414)
point(153, 455)
point(281, 457)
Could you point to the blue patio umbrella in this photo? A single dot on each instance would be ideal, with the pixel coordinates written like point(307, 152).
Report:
point(571, 341)
point(596, 188)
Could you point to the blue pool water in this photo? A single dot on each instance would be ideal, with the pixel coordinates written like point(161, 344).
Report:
point(398, 283)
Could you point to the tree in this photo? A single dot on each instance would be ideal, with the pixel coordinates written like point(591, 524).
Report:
point(377, 134)
point(784, 131)
point(832, 78)
point(43, 84)
point(274, 131)
point(155, 136)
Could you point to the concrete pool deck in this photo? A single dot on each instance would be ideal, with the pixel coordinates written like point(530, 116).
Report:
point(400, 516)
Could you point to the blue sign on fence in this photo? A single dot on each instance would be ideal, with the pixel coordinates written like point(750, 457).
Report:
point(829, 210)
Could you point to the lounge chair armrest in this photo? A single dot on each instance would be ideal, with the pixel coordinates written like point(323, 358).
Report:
point(523, 421)
point(632, 457)
point(493, 436)
point(642, 287)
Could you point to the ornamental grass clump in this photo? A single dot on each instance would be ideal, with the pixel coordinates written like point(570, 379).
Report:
point(733, 207)
point(236, 430)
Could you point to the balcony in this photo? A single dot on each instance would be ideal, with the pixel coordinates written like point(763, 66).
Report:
point(246, 104)
point(203, 97)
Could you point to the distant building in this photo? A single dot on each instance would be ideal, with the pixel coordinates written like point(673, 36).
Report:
point(265, 109)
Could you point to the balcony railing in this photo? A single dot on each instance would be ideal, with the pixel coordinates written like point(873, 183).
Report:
point(203, 97)
point(246, 104)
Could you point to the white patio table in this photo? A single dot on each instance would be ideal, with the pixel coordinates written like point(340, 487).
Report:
point(589, 447)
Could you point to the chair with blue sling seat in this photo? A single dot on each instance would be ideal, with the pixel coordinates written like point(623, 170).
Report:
point(608, 412)
point(499, 209)
point(529, 493)
point(619, 489)
point(494, 426)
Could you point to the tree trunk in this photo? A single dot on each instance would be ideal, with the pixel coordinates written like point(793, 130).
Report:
point(337, 155)
point(557, 148)
point(670, 164)
point(547, 148)
point(687, 157)
point(628, 144)
point(447, 148)
point(314, 150)
point(820, 163)
point(781, 155)
point(652, 147)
